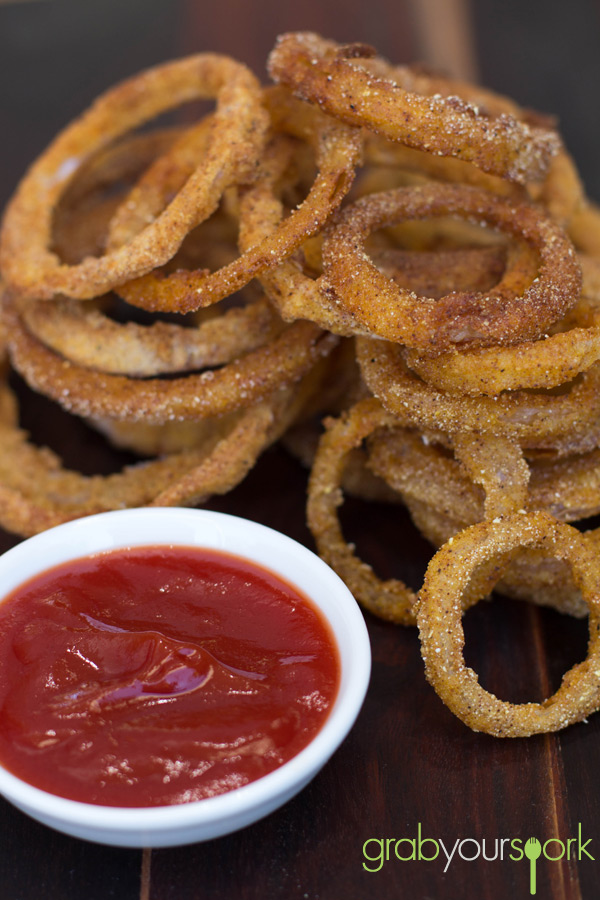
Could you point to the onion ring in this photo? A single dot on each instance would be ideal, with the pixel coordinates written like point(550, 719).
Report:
point(443, 500)
point(545, 363)
point(161, 180)
point(97, 394)
point(537, 420)
point(567, 488)
point(236, 139)
point(391, 600)
point(338, 151)
point(334, 77)
point(83, 214)
point(36, 492)
point(532, 577)
point(501, 316)
point(488, 544)
point(87, 337)
point(267, 238)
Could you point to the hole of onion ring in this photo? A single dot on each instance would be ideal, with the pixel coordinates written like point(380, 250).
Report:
point(390, 544)
point(442, 233)
point(436, 272)
point(521, 651)
point(118, 310)
point(79, 446)
point(82, 215)
point(189, 113)
point(186, 114)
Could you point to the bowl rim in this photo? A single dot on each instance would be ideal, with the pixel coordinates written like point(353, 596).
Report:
point(342, 614)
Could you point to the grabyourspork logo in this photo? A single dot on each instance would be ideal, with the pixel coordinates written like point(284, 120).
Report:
point(377, 852)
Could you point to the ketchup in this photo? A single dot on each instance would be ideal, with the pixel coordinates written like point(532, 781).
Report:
point(159, 675)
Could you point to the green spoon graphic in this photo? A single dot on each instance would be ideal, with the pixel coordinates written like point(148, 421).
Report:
point(533, 849)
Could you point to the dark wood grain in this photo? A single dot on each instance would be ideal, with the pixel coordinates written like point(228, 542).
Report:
point(36, 862)
point(407, 761)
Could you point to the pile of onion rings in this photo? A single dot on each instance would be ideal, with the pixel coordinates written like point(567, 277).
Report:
point(396, 274)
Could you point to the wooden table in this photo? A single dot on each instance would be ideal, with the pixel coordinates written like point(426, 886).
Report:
point(408, 768)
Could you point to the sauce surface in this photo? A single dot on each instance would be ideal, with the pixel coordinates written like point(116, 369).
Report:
point(159, 675)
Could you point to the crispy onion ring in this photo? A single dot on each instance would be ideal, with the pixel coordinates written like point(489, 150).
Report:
point(545, 363)
point(443, 500)
point(87, 337)
point(112, 170)
point(489, 545)
point(267, 237)
point(513, 311)
point(337, 148)
point(337, 78)
point(82, 216)
point(162, 179)
point(395, 161)
point(83, 333)
point(423, 472)
point(236, 139)
point(391, 600)
point(214, 392)
point(532, 576)
point(539, 419)
point(36, 492)
point(498, 465)
point(298, 295)
point(567, 488)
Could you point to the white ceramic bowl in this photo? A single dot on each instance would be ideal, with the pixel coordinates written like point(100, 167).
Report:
point(200, 820)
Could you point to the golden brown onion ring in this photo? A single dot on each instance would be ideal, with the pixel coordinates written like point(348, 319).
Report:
point(532, 576)
point(425, 473)
point(391, 600)
point(159, 183)
point(214, 392)
point(443, 500)
point(267, 238)
point(236, 139)
point(540, 419)
point(567, 488)
point(546, 363)
point(337, 149)
point(83, 214)
point(488, 545)
point(36, 492)
point(335, 77)
point(85, 336)
point(516, 309)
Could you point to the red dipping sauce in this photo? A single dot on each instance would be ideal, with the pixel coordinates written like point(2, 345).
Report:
point(159, 675)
